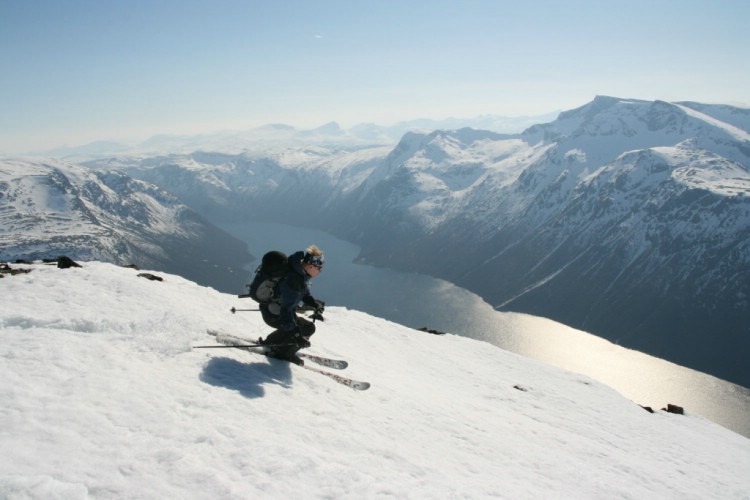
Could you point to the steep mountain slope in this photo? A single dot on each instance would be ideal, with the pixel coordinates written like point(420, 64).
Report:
point(50, 208)
point(104, 398)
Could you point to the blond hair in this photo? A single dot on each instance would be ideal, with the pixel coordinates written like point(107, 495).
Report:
point(313, 250)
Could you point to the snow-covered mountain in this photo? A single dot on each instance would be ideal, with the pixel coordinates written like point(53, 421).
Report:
point(104, 398)
point(629, 219)
point(51, 208)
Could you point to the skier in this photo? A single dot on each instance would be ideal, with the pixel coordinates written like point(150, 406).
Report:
point(281, 314)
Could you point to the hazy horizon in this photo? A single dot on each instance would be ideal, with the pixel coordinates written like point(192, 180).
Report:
point(80, 71)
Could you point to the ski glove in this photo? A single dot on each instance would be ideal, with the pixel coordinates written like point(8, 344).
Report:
point(316, 304)
point(319, 306)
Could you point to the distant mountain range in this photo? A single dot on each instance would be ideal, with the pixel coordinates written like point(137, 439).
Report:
point(275, 136)
point(629, 219)
point(51, 208)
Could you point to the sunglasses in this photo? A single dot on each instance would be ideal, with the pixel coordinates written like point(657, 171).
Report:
point(315, 260)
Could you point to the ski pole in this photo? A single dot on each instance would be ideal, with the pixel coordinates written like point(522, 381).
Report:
point(315, 315)
point(234, 310)
point(248, 345)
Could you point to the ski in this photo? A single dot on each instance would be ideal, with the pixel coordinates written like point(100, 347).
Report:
point(240, 343)
point(357, 385)
point(336, 364)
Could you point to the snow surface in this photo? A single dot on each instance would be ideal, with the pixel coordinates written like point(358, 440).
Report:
point(103, 397)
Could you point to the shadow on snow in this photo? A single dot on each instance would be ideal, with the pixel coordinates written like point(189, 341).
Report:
point(246, 378)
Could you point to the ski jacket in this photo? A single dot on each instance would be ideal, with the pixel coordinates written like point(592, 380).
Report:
point(292, 289)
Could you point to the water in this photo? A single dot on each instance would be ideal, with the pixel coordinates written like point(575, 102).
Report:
point(421, 301)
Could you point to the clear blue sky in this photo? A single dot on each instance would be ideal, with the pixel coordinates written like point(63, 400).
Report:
point(75, 71)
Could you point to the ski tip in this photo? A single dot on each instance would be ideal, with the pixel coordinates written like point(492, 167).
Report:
point(361, 386)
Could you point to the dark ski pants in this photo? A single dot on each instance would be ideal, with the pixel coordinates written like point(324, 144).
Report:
point(306, 329)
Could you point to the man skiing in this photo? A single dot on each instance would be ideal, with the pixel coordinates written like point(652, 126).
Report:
point(293, 332)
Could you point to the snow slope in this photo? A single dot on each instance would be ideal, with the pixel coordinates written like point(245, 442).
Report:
point(103, 397)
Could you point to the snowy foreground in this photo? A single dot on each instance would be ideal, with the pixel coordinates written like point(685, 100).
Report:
point(104, 397)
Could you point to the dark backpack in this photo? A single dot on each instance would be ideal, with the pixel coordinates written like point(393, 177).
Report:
point(273, 267)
